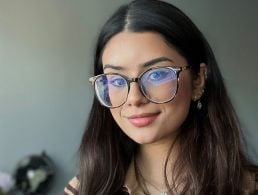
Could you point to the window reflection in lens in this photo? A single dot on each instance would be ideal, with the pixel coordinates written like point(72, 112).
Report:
point(102, 90)
point(118, 89)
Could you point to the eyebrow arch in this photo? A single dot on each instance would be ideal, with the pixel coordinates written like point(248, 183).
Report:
point(156, 60)
point(112, 67)
point(146, 64)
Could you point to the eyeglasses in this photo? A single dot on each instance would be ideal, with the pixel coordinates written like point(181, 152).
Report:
point(158, 84)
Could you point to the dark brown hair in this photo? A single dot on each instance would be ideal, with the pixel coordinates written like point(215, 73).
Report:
point(210, 159)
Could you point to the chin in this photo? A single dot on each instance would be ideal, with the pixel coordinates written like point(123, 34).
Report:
point(145, 140)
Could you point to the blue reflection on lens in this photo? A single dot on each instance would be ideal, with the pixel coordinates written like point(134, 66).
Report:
point(118, 81)
point(159, 76)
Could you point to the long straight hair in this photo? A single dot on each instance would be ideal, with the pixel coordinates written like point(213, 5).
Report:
point(210, 159)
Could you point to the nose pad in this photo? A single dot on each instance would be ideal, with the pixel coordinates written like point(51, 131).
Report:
point(135, 96)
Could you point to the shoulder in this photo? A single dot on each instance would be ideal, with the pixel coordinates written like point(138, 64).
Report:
point(72, 187)
point(251, 181)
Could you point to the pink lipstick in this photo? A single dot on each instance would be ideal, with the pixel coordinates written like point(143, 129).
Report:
point(142, 120)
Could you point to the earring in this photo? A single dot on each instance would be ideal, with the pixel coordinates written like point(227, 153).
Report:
point(199, 105)
point(205, 75)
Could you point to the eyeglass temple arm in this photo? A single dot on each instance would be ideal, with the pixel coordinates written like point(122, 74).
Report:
point(92, 79)
point(185, 67)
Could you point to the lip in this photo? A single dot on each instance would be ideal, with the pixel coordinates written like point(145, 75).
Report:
point(142, 120)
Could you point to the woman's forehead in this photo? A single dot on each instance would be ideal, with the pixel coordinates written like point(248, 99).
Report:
point(128, 49)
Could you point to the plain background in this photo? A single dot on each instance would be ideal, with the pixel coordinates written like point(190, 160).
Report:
point(46, 49)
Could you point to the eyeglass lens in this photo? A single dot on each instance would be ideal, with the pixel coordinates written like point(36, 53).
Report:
point(159, 85)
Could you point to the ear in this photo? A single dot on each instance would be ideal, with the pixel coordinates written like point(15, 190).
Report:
point(199, 82)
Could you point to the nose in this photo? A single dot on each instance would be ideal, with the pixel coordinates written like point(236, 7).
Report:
point(135, 96)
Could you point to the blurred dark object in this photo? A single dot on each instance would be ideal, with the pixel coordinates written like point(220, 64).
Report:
point(34, 174)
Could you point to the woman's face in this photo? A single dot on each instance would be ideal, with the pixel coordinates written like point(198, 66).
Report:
point(143, 121)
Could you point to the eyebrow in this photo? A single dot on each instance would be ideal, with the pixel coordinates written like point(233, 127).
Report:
point(146, 64)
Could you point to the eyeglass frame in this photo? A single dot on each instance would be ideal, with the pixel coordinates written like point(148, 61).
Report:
point(176, 69)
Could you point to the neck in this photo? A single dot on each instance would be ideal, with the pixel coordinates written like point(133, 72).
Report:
point(151, 160)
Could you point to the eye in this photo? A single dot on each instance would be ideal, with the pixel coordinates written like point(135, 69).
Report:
point(159, 75)
point(117, 81)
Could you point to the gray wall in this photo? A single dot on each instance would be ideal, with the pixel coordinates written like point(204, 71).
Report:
point(46, 49)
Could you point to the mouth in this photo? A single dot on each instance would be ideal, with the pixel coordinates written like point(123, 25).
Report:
point(142, 120)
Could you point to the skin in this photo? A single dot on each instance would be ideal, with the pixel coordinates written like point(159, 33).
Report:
point(126, 52)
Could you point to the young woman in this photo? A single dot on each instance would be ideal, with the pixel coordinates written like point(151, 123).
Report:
point(161, 121)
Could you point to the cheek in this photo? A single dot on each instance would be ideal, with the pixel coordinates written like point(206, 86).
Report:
point(185, 88)
point(179, 107)
point(185, 93)
point(116, 114)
